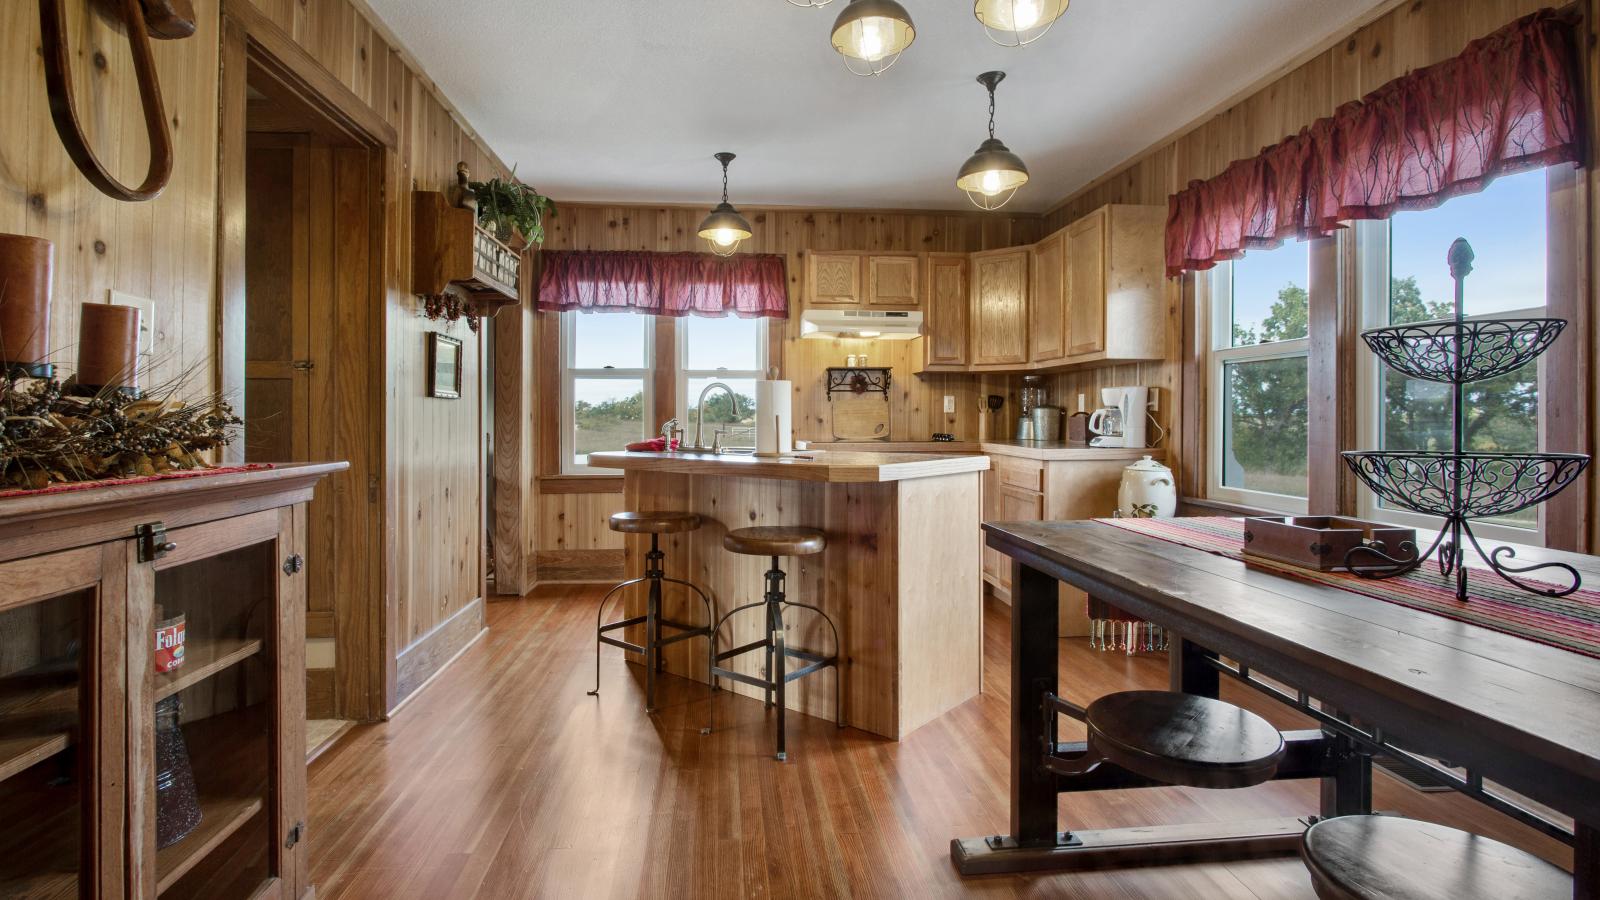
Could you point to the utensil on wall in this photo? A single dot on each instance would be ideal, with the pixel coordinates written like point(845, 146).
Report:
point(143, 20)
point(25, 271)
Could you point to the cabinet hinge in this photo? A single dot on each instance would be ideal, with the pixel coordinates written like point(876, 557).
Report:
point(152, 541)
point(294, 836)
point(372, 489)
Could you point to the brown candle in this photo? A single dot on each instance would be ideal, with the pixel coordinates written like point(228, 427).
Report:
point(25, 266)
point(108, 346)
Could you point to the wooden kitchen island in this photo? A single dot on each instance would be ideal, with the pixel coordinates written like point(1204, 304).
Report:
point(901, 575)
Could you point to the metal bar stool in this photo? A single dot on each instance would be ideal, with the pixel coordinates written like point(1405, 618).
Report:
point(654, 524)
point(775, 542)
point(1390, 858)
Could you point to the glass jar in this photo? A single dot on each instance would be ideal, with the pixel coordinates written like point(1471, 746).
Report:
point(177, 806)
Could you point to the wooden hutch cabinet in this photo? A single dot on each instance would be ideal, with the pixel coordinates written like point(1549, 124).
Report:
point(89, 727)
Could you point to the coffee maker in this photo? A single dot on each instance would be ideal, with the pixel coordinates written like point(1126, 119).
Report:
point(1121, 420)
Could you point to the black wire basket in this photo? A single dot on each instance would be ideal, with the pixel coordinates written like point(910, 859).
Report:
point(1483, 348)
point(1456, 485)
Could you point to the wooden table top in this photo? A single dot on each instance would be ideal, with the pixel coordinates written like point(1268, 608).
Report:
point(1521, 713)
point(829, 466)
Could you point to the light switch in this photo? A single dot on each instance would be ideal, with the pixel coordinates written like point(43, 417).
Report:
point(147, 322)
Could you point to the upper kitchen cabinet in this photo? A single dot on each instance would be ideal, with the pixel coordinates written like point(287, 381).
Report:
point(892, 280)
point(999, 320)
point(834, 279)
point(945, 318)
point(1047, 300)
point(1115, 299)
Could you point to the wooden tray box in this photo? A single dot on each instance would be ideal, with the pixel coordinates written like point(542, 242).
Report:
point(1319, 542)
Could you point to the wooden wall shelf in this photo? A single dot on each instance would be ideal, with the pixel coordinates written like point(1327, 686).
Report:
point(450, 251)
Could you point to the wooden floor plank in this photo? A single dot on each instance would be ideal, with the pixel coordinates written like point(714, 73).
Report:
point(503, 779)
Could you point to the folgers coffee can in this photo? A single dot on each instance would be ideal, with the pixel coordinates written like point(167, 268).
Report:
point(169, 643)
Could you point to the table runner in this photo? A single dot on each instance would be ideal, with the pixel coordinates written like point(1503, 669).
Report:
point(65, 487)
point(1570, 623)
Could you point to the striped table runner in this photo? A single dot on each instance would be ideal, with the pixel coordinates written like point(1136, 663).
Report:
point(1570, 623)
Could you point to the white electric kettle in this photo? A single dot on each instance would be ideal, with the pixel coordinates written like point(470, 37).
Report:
point(1148, 491)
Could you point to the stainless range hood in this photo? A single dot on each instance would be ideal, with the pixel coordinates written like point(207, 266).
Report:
point(861, 323)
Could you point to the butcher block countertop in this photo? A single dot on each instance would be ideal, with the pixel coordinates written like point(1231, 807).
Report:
point(830, 466)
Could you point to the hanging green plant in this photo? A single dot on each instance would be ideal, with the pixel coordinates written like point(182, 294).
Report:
point(509, 206)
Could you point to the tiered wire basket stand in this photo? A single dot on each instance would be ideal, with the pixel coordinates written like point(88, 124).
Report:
point(1456, 485)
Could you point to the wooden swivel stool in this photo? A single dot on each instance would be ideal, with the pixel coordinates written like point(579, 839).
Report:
point(1390, 858)
point(1179, 739)
point(773, 542)
point(654, 524)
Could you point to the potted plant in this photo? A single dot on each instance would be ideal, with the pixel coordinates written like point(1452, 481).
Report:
point(509, 207)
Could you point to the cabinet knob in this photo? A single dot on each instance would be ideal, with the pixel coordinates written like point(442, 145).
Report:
point(294, 564)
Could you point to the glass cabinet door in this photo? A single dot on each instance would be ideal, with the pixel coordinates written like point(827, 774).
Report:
point(60, 768)
point(207, 622)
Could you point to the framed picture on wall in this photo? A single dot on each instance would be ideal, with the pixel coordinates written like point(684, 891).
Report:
point(444, 366)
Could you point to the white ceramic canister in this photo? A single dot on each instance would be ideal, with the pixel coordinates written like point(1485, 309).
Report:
point(1148, 491)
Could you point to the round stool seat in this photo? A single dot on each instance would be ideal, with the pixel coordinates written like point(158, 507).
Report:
point(1184, 739)
point(1390, 858)
point(654, 522)
point(775, 540)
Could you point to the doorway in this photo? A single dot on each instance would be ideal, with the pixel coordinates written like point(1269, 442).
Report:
point(311, 268)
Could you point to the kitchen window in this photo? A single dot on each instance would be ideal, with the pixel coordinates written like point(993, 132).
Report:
point(1404, 279)
point(1257, 416)
point(730, 350)
point(605, 385)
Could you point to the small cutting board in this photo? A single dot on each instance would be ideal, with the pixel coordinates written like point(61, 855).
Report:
point(860, 417)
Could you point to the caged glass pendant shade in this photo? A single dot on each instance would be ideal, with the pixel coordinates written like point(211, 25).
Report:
point(992, 175)
point(1015, 23)
point(724, 229)
point(871, 35)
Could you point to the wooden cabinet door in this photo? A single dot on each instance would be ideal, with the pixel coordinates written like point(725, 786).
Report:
point(1047, 300)
point(1086, 285)
point(945, 319)
point(1000, 307)
point(892, 281)
point(833, 279)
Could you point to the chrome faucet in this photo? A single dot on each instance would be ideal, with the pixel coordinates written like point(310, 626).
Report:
point(700, 414)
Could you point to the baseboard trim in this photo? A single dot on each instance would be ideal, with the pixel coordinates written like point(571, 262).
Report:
point(579, 566)
point(430, 654)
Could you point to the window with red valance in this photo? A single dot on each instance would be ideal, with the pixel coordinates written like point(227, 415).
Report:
point(664, 284)
point(1510, 102)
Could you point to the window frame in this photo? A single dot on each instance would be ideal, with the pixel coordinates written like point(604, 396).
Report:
point(570, 374)
point(684, 374)
point(1373, 267)
point(1216, 327)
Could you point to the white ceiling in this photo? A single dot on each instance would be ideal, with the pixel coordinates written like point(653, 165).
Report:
point(626, 100)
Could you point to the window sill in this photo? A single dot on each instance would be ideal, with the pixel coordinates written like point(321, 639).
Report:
point(580, 484)
point(1206, 507)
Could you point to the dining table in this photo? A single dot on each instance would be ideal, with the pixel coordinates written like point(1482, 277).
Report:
point(1506, 719)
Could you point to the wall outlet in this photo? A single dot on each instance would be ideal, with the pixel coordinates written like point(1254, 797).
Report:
point(147, 323)
point(949, 403)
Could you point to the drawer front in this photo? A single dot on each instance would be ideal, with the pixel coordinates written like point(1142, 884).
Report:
point(1027, 474)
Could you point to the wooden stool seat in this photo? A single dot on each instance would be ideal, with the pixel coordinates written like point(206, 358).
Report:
point(654, 522)
point(1184, 739)
point(1390, 858)
point(775, 540)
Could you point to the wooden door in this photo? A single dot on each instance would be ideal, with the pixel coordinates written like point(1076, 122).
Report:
point(945, 317)
point(892, 281)
point(833, 279)
point(1086, 285)
point(1047, 300)
point(278, 285)
point(1000, 307)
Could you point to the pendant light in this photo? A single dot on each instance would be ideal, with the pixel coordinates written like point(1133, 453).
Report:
point(811, 4)
point(1013, 23)
point(871, 35)
point(992, 175)
point(724, 228)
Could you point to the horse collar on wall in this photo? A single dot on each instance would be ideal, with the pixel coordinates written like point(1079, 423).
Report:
point(143, 19)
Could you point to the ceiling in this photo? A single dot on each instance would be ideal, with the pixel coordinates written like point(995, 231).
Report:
point(626, 100)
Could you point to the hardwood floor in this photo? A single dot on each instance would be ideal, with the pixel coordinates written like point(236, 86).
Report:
point(503, 779)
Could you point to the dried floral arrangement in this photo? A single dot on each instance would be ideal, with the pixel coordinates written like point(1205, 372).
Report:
point(448, 306)
point(50, 436)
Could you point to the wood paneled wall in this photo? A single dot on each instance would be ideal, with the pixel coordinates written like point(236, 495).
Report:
point(166, 250)
point(1409, 36)
point(570, 529)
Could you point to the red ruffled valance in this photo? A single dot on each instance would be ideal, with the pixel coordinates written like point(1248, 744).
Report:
point(1511, 101)
point(747, 285)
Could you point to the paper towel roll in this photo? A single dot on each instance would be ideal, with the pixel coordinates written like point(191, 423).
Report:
point(774, 434)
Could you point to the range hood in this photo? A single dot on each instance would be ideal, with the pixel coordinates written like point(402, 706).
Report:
point(860, 323)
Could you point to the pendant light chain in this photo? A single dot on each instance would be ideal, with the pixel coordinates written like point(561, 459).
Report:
point(991, 112)
point(725, 178)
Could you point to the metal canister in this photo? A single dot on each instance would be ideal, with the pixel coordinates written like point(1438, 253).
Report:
point(1047, 424)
